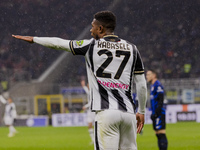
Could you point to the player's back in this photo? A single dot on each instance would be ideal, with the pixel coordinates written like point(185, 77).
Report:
point(113, 62)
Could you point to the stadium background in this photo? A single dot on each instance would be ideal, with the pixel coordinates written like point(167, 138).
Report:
point(44, 81)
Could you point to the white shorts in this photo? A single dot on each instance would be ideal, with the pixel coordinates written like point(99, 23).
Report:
point(8, 120)
point(115, 130)
point(90, 116)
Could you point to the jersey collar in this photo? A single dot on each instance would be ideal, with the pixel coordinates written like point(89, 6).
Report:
point(111, 38)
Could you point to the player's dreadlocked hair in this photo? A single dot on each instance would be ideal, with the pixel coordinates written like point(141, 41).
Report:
point(107, 19)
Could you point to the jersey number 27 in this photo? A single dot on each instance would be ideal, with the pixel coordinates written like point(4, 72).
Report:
point(100, 71)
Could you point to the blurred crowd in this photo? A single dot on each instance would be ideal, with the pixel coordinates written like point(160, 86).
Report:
point(66, 19)
point(167, 33)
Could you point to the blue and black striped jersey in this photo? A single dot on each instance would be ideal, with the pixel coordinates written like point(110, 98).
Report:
point(157, 98)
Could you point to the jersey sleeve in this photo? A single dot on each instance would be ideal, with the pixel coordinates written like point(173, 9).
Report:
point(2, 99)
point(141, 89)
point(86, 89)
point(159, 99)
point(53, 42)
point(159, 89)
point(80, 47)
point(139, 67)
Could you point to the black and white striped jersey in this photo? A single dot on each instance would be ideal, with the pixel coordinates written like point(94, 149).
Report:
point(111, 63)
point(10, 110)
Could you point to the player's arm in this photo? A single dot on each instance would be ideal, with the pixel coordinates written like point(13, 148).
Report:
point(86, 89)
point(86, 106)
point(84, 86)
point(51, 42)
point(141, 86)
point(160, 100)
point(2, 99)
point(141, 89)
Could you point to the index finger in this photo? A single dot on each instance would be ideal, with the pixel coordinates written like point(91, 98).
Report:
point(139, 127)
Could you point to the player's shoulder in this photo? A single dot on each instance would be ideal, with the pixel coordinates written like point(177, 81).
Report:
point(134, 47)
point(128, 42)
point(81, 43)
point(80, 47)
point(158, 85)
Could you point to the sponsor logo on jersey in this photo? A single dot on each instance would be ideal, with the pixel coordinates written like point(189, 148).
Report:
point(159, 89)
point(113, 85)
point(79, 43)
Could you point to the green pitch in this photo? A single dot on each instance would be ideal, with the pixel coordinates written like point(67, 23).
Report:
point(181, 136)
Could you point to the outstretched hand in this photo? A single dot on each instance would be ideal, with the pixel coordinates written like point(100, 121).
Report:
point(140, 122)
point(25, 38)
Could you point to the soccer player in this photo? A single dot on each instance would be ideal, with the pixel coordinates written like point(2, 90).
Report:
point(158, 111)
point(9, 115)
point(90, 114)
point(112, 65)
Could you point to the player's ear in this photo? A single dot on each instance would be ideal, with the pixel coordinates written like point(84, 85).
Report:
point(101, 28)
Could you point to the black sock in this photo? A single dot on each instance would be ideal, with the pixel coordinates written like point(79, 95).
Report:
point(162, 141)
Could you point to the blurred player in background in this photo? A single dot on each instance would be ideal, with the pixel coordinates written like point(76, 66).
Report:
point(90, 114)
point(158, 111)
point(9, 115)
point(112, 66)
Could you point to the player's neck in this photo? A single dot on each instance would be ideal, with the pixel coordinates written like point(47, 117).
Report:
point(108, 33)
point(154, 80)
